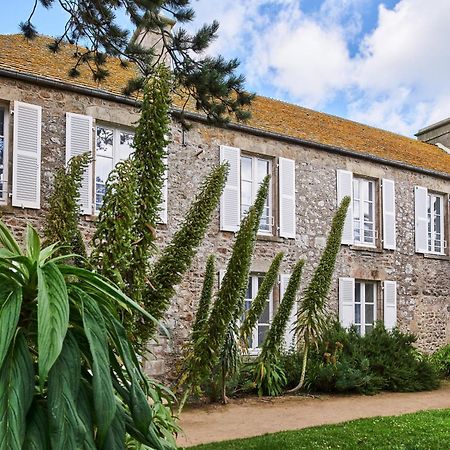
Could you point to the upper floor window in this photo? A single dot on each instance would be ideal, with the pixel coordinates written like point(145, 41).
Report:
point(111, 146)
point(253, 171)
point(364, 211)
point(3, 151)
point(435, 215)
point(261, 329)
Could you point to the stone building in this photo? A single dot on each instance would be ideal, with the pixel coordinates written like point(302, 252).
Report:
point(394, 261)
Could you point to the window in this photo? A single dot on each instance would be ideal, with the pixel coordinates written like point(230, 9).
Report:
point(435, 215)
point(259, 333)
point(364, 211)
point(111, 146)
point(253, 171)
point(365, 306)
point(3, 152)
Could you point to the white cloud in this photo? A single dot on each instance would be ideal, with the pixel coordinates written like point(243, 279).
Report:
point(394, 76)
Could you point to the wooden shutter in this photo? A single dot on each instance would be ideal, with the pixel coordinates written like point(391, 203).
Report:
point(389, 224)
point(26, 180)
point(164, 194)
point(79, 140)
point(230, 202)
point(421, 218)
point(390, 304)
point(344, 189)
point(346, 301)
point(289, 335)
point(286, 182)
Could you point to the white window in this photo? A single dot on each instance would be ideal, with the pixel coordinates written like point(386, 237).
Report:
point(253, 171)
point(261, 329)
point(111, 146)
point(435, 215)
point(365, 310)
point(364, 211)
point(3, 152)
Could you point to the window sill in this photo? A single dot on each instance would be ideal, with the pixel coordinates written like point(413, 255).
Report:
point(436, 256)
point(268, 238)
point(361, 248)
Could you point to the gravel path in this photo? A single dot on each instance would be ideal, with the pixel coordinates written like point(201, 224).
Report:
point(253, 417)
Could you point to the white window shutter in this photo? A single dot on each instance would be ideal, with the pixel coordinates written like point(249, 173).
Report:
point(79, 140)
point(344, 189)
point(230, 202)
point(164, 194)
point(390, 304)
point(346, 301)
point(289, 334)
point(26, 181)
point(389, 220)
point(421, 218)
point(286, 182)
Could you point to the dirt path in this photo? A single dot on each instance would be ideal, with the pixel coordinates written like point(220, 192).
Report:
point(253, 417)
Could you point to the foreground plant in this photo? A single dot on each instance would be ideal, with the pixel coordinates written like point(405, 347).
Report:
point(69, 377)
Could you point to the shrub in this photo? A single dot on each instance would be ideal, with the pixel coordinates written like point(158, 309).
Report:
point(441, 361)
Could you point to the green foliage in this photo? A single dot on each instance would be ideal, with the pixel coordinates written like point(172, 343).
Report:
point(269, 376)
point(205, 354)
point(61, 220)
point(68, 374)
point(441, 360)
point(312, 316)
point(204, 305)
point(344, 361)
point(114, 236)
point(260, 301)
point(94, 28)
point(177, 256)
point(422, 430)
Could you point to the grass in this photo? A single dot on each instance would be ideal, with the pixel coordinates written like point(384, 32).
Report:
point(418, 431)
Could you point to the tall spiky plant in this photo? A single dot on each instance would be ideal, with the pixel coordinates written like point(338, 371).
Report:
point(269, 376)
point(260, 301)
point(177, 256)
point(61, 220)
point(312, 314)
point(205, 354)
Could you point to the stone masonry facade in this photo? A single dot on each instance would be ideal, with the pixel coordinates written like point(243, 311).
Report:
point(423, 293)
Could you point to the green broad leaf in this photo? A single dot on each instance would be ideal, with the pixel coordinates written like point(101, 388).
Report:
point(33, 243)
point(85, 410)
point(115, 438)
point(140, 409)
point(10, 305)
point(67, 430)
point(46, 253)
point(7, 240)
point(16, 394)
point(36, 437)
point(53, 317)
point(103, 392)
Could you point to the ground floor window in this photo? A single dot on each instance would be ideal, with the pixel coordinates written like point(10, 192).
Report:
point(261, 329)
point(365, 306)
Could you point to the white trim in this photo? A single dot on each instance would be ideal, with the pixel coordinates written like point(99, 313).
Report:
point(362, 296)
point(4, 196)
point(389, 215)
point(360, 181)
point(430, 224)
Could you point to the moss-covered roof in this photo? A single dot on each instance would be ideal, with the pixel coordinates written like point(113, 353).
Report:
point(33, 57)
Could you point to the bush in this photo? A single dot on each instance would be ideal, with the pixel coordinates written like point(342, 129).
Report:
point(347, 362)
point(441, 361)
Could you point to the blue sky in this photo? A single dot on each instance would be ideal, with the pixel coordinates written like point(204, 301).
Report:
point(386, 64)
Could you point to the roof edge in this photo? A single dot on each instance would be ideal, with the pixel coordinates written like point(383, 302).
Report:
point(433, 126)
point(105, 95)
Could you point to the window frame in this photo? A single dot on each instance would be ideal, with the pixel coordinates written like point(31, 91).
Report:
point(430, 224)
point(117, 130)
point(254, 277)
point(255, 186)
point(5, 188)
point(375, 211)
point(362, 324)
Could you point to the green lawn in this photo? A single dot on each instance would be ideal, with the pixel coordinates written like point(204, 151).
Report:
point(418, 431)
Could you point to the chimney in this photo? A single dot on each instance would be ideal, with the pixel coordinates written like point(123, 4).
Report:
point(437, 134)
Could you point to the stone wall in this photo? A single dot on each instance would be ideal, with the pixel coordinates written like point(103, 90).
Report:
point(423, 282)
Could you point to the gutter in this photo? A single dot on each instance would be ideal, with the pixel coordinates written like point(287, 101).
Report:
point(105, 95)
